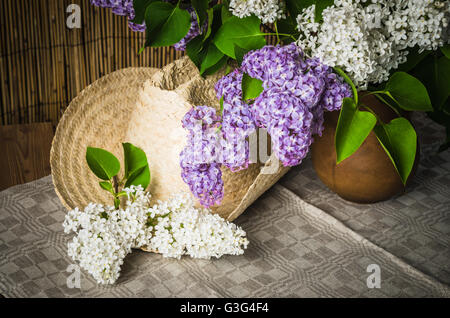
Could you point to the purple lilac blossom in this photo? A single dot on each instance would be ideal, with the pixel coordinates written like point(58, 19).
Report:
point(198, 160)
point(310, 87)
point(296, 93)
point(238, 122)
point(192, 33)
point(125, 8)
point(288, 122)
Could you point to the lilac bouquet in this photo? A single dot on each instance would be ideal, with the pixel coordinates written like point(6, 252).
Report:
point(296, 92)
point(285, 89)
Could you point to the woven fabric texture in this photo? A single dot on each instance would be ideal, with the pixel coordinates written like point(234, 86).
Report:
point(297, 249)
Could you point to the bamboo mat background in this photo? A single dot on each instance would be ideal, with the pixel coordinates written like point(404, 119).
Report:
point(44, 64)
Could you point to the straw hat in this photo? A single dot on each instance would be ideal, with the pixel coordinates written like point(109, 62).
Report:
point(143, 106)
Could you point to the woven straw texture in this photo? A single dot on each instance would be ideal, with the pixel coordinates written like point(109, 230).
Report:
point(44, 64)
point(98, 117)
point(115, 109)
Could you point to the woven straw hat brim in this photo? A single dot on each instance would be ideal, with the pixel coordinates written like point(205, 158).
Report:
point(145, 106)
point(98, 117)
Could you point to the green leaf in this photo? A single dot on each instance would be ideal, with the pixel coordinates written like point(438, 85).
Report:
point(408, 92)
point(221, 106)
point(446, 50)
point(166, 24)
point(413, 58)
point(442, 82)
point(320, 6)
point(244, 33)
point(251, 87)
point(295, 7)
point(210, 14)
point(352, 129)
point(134, 157)
point(102, 163)
point(106, 185)
point(399, 140)
point(213, 69)
point(226, 14)
point(139, 177)
point(434, 73)
point(213, 56)
point(195, 50)
point(286, 26)
point(139, 9)
point(349, 82)
point(116, 202)
point(200, 7)
point(240, 53)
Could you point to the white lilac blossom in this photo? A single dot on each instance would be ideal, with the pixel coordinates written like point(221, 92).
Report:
point(180, 229)
point(267, 10)
point(105, 235)
point(370, 38)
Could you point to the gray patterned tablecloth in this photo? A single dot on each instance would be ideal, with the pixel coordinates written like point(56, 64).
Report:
point(305, 242)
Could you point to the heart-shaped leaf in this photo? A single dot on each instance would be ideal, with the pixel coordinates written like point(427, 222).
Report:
point(166, 24)
point(352, 129)
point(200, 7)
point(213, 56)
point(399, 140)
point(409, 92)
point(195, 49)
point(139, 7)
point(102, 163)
point(240, 53)
point(213, 69)
point(225, 14)
point(139, 177)
point(244, 33)
point(135, 159)
point(106, 185)
point(251, 87)
point(349, 82)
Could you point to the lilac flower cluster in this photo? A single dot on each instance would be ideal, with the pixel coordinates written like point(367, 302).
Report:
point(200, 169)
point(237, 122)
point(192, 33)
point(125, 8)
point(297, 90)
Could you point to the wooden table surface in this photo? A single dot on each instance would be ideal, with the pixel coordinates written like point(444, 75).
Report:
point(25, 153)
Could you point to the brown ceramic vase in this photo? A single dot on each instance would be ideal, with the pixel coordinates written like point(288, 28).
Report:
point(368, 176)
